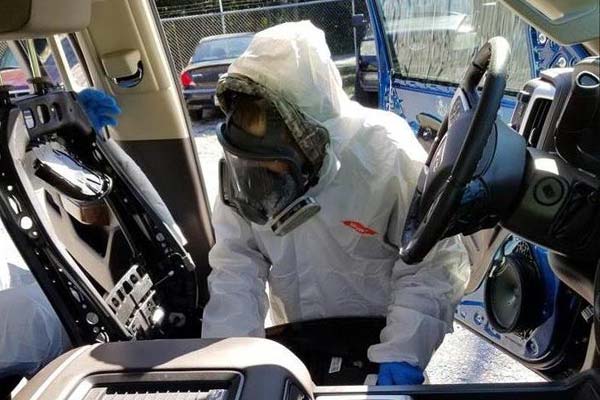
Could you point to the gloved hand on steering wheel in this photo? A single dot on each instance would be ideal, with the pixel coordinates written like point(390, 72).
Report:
point(100, 108)
point(399, 373)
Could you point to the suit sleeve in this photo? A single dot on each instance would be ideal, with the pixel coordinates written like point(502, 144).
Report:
point(423, 296)
point(238, 303)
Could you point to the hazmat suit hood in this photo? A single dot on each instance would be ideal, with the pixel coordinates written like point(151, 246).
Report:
point(290, 66)
point(293, 60)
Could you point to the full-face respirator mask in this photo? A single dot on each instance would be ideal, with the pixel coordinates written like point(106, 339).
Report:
point(265, 176)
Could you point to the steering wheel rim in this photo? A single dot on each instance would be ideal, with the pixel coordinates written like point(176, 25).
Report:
point(422, 230)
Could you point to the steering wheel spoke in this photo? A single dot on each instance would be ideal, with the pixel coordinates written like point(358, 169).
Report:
point(459, 104)
point(467, 147)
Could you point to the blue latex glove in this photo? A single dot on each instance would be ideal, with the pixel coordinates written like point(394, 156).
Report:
point(101, 109)
point(399, 373)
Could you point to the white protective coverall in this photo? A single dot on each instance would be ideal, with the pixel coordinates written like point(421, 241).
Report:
point(31, 335)
point(343, 261)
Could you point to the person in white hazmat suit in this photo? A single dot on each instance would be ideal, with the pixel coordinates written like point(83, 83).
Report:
point(314, 192)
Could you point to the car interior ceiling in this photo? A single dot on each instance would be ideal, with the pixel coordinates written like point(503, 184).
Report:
point(98, 237)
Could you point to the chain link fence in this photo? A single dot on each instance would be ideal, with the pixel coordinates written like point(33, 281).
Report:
point(3, 47)
point(334, 17)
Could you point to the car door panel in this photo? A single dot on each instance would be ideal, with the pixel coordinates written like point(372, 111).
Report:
point(113, 264)
point(186, 200)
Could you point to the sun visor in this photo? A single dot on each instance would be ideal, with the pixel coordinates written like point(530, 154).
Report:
point(38, 18)
point(567, 22)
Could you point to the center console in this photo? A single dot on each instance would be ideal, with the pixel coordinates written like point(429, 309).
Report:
point(185, 369)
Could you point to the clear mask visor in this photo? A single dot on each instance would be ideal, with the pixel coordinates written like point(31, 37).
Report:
point(265, 186)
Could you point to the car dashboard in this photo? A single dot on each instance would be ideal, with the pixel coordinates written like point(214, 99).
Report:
point(559, 116)
point(228, 369)
point(557, 112)
point(239, 369)
point(548, 328)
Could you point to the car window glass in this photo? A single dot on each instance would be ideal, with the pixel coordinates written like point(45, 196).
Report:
point(47, 61)
point(77, 70)
point(432, 39)
point(11, 72)
point(367, 46)
point(221, 49)
point(15, 74)
point(7, 58)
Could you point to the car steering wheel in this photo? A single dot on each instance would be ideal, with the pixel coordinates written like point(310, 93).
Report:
point(456, 153)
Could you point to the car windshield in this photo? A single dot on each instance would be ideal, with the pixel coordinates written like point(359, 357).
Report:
point(221, 49)
point(431, 39)
point(367, 46)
